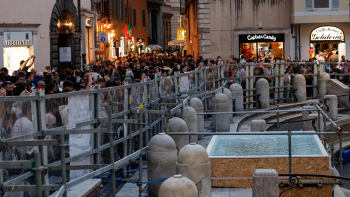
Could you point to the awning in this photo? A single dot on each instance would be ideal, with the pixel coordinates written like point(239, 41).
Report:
point(176, 42)
point(155, 47)
point(99, 51)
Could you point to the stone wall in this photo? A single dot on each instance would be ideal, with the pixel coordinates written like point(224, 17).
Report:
point(220, 23)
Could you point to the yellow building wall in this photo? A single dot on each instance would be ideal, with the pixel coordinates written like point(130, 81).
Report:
point(301, 15)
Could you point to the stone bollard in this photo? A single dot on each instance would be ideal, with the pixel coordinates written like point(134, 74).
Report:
point(221, 105)
point(312, 102)
point(322, 84)
point(237, 95)
point(332, 103)
point(228, 93)
point(193, 162)
point(265, 183)
point(311, 126)
point(262, 87)
point(300, 85)
point(305, 115)
point(190, 117)
point(161, 161)
point(197, 105)
point(258, 125)
point(178, 125)
point(178, 186)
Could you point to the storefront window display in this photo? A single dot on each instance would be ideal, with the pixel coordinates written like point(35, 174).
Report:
point(17, 46)
point(262, 46)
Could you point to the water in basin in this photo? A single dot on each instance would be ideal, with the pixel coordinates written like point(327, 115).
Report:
point(258, 145)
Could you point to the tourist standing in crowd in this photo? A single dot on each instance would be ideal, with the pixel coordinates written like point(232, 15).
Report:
point(309, 79)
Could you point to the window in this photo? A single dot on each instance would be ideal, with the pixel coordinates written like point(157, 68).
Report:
point(130, 16)
point(322, 4)
point(126, 16)
point(134, 17)
point(143, 18)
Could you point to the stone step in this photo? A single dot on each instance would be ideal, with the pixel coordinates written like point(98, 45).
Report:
point(89, 187)
point(245, 120)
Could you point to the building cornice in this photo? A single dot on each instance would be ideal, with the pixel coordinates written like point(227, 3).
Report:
point(19, 25)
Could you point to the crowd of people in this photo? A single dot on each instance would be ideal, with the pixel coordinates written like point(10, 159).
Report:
point(133, 68)
point(17, 119)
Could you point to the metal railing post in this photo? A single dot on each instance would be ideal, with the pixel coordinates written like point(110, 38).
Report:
point(324, 130)
point(205, 102)
point(319, 120)
point(38, 175)
point(145, 92)
point(278, 118)
point(158, 107)
point(216, 117)
point(332, 147)
point(96, 138)
point(290, 150)
point(126, 128)
point(277, 83)
point(251, 84)
point(341, 152)
point(141, 145)
point(129, 131)
point(281, 81)
point(315, 79)
point(41, 118)
point(111, 149)
point(63, 165)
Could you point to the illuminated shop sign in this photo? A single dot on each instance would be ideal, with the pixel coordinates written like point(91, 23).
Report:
point(258, 37)
point(18, 39)
point(18, 42)
point(247, 38)
point(327, 33)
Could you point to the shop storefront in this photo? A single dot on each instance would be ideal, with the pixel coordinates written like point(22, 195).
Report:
point(262, 46)
point(17, 46)
point(322, 38)
point(325, 39)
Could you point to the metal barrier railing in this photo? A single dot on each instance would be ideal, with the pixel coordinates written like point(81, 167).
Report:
point(114, 124)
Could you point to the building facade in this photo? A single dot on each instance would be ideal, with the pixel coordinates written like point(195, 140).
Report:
point(238, 27)
point(137, 17)
point(166, 25)
point(320, 25)
point(177, 25)
point(155, 22)
point(52, 33)
point(193, 13)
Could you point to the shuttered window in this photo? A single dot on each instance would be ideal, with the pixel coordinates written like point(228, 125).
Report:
point(134, 17)
point(143, 18)
point(309, 4)
point(322, 4)
point(336, 4)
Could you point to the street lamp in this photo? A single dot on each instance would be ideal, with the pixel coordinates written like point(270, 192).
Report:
point(111, 35)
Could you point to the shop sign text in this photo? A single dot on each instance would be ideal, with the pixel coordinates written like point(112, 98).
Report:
point(327, 33)
point(181, 34)
point(18, 42)
point(259, 37)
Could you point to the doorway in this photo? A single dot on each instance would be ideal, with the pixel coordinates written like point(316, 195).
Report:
point(64, 34)
point(65, 41)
